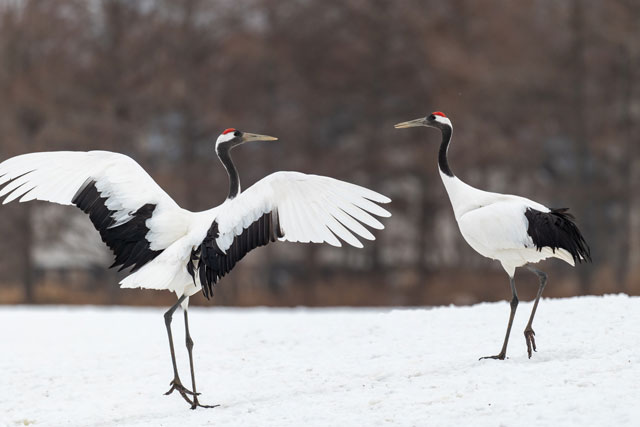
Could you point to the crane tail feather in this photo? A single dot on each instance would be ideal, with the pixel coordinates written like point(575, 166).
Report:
point(558, 231)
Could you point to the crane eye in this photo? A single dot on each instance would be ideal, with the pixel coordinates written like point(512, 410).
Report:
point(236, 133)
point(432, 117)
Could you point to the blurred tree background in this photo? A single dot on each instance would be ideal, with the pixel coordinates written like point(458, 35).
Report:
point(544, 97)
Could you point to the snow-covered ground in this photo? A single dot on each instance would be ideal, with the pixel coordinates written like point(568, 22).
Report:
point(351, 367)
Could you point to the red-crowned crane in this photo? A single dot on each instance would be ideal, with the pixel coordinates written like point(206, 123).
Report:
point(511, 229)
point(181, 251)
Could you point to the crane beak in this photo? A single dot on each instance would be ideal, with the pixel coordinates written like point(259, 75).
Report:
point(247, 137)
point(412, 123)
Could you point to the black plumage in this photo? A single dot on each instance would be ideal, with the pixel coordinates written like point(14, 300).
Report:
point(127, 241)
point(210, 263)
point(557, 230)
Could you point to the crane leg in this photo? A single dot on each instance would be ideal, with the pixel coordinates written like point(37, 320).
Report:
point(175, 384)
point(529, 334)
point(514, 306)
point(189, 343)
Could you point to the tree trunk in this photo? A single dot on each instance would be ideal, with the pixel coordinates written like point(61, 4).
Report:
point(26, 229)
point(580, 136)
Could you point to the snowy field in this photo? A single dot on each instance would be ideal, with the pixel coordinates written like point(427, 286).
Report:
point(298, 367)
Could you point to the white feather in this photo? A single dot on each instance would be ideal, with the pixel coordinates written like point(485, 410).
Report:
point(495, 225)
point(57, 176)
point(311, 208)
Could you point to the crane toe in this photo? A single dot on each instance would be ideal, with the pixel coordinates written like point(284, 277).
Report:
point(197, 404)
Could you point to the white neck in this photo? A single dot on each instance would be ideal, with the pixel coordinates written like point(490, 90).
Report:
point(463, 197)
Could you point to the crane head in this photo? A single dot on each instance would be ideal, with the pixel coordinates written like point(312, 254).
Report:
point(232, 137)
point(436, 119)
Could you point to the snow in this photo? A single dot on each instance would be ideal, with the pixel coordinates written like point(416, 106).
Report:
point(87, 366)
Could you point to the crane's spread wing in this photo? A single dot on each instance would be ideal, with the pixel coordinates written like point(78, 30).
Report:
point(122, 200)
point(288, 206)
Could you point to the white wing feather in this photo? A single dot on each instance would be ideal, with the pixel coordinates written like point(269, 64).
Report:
point(57, 176)
point(498, 226)
point(310, 208)
point(499, 231)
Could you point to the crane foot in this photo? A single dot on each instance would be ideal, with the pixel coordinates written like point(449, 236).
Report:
point(187, 394)
point(529, 335)
point(176, 385)
point(500, 356)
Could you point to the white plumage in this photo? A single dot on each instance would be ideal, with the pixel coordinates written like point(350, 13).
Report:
point(57, 176)
point(311, 208)
point(181, 251)
point(495, 225)
point(511, 229)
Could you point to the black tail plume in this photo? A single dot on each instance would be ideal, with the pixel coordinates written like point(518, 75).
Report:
point(557, 230)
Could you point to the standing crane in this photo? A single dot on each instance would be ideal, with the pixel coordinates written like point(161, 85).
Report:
point(171, 248)
point(511, 229)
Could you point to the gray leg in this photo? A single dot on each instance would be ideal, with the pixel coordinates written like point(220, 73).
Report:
point(514, 305)
point(529, 334)
point(189, 343)
point(175, 384)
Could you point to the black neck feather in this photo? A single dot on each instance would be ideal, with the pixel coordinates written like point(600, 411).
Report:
point(234, 179)
point(443, 163)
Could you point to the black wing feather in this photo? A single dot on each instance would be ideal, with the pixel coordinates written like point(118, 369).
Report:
point(211, 263)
